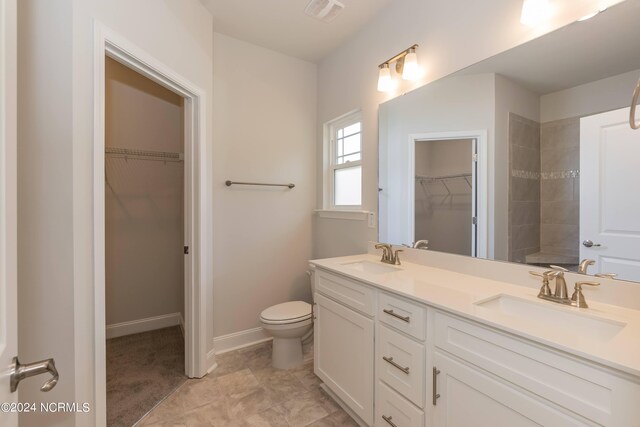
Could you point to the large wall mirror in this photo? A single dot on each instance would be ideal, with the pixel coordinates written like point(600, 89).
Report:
point(525, 157)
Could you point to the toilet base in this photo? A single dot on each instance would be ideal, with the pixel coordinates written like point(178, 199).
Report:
point(287, 353)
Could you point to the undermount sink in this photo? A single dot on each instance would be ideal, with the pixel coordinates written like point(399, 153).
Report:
point(371, 267)
point(553, 316)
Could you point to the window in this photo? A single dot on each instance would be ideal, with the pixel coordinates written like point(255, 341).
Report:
point(345, 163)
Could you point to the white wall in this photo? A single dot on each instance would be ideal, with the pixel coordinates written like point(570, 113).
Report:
point(590, 98)
point(144, 199)
point(452, 34)
point(264, 131)
point(55, 170)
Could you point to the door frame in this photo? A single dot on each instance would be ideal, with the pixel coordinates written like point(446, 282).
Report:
point(8, 199)
point(108, 43)
point(480, 207)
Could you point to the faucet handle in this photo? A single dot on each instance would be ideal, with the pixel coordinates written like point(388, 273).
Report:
point(577, 299)
point(396, 257)
point(558, 269)
point(546, 276)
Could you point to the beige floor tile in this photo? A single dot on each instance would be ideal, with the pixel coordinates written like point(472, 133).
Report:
point(337, 419)
point(208, 415)
point(237, 382)
point(249, 392)
point(198, 392)
point(249, 403)
point(272, 417)
point(305, 375)
point(303, 410)
point(280, 385)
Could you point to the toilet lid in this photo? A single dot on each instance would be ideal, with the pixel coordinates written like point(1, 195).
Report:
point(288, 312)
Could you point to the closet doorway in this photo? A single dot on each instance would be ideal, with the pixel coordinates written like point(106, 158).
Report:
point(447, 187)
point(198, 240)
point(144, 239)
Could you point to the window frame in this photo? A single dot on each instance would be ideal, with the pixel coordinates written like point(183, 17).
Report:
point(331, 165)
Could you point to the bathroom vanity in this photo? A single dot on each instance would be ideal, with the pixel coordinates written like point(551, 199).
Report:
point(413, 345)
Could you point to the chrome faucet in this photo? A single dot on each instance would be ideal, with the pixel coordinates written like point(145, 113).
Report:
point(388, 256)
point(421, 244)
point(584, 265)
point(560, 294)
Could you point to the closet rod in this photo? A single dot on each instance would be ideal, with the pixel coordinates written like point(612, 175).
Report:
point(230, 183)
point(133, 153)
point(443, 177)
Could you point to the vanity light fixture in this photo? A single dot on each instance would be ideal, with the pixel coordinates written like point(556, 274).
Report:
point(384, 78)
point(535, 12)
point(406, 65)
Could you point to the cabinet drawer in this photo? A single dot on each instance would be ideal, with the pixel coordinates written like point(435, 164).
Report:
point(403, 315)
point(400, 363)
point(396, 410)
point(597, 395)
point(349, 292)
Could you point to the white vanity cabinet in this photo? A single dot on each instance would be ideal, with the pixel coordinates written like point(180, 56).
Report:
point(344, 341)
point(478, 375)
point(513, 381)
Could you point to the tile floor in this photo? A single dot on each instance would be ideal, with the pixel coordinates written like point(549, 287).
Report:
point(246, 391)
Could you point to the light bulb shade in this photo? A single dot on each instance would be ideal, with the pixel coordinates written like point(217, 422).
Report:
point(410, 71)
point(535, 12)
point(384, 79)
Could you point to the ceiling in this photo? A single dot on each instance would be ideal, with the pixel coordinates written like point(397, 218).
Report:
point(582, 52)
point(282, 25)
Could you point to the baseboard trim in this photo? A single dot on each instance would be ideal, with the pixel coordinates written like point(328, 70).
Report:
point(236, 340)
point(143, 325)
point(211, 360)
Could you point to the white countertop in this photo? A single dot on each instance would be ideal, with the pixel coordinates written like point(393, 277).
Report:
point(458, 293)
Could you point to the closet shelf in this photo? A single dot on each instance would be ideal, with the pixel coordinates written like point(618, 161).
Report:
point(132, 153)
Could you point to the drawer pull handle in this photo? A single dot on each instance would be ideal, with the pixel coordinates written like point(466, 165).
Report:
point(390, 361)
point(397, 316)
point(436, 371)
point(388, 420)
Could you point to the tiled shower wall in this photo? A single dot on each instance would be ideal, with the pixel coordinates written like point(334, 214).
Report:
point(524, 187)
point(560, 187)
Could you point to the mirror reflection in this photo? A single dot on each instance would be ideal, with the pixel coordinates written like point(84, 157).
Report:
point(525, 157)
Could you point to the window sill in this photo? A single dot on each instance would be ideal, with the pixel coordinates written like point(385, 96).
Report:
point(355, 215)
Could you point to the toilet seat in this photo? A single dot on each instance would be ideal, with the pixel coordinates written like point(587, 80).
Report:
point(286, 313)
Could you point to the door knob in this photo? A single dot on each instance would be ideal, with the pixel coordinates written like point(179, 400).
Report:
point(589, 244)
point(20, 372)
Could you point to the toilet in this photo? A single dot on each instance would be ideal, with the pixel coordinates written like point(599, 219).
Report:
point(288, 323)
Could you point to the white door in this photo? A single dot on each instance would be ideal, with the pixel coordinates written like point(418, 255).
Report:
point(8, 266)
point(609, 198)
point(343, 354)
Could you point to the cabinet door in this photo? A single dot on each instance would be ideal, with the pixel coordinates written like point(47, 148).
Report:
point(343, 354)
point(469, 397)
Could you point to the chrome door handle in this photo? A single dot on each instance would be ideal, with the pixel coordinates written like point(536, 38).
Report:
point(397, 316)
point(20, 372)
point(589, 244)
point(390, 361)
